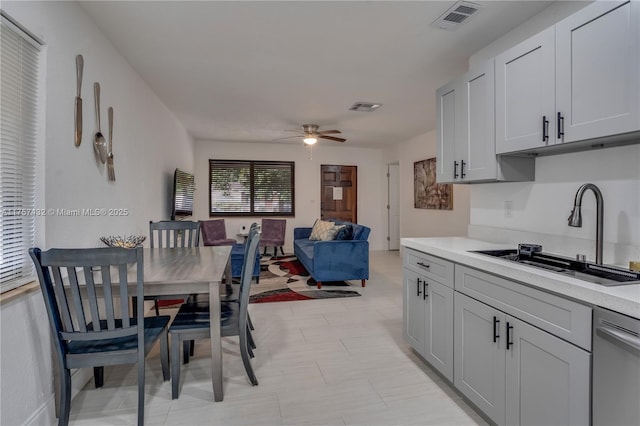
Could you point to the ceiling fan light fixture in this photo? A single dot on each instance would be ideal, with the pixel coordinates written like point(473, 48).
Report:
point(310, 140)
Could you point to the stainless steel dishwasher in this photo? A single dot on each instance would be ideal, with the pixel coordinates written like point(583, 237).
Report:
point(616, 369)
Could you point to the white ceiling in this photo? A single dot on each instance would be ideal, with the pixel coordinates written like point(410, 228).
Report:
point(249, 71)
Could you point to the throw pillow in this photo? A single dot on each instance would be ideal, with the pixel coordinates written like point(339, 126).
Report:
point(323, 231)
point(345, 232)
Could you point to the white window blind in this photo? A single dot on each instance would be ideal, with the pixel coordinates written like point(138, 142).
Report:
point(19, 57)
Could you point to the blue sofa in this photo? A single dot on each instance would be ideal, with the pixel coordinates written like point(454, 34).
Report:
point(334, 260)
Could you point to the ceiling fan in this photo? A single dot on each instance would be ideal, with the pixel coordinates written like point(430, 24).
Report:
point(310, 134)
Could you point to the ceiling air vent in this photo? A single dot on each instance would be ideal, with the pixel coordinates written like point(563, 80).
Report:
point(365, 106)
point(457, 14)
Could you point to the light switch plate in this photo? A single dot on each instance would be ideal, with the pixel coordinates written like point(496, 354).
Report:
point(508, 208)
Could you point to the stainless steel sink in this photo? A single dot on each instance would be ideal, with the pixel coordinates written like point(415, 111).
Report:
point(599, 274)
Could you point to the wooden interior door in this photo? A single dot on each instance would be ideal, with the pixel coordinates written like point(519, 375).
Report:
point(339, 193)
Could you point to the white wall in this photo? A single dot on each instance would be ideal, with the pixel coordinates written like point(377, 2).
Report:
point(149, 143)
point(371, 178)
point(421, 222)
point(543, 206)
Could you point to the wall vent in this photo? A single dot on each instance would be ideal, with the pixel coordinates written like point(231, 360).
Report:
point(365, 106)
point(456, 15)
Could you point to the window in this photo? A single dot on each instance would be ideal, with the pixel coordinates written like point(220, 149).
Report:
point(251, 188)
point(19, 57)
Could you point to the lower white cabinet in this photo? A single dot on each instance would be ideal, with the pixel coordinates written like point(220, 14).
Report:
point(428, 320)
point(439, 327)
point(515, 373)
point(414, 311)
point(547, 378)
point(480, 355)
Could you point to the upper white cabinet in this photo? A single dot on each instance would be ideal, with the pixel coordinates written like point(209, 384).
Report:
point(448, 109)
point(525, 94)
point(576, 81)
point(475, 149)
point(466, 132)
point(598, 71)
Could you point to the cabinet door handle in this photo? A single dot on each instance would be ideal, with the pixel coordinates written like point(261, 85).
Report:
point(462, 173)
point(560, 126)
point(509, 335)
point(455, 170)
point(424, 265)
point(496, 328)
point(425, 287)
point(545, 129)
point(418, 282)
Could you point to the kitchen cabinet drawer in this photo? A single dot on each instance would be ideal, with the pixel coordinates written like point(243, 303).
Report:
point(429, 266)
point(561, 317)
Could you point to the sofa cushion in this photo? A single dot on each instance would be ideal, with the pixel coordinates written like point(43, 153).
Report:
point(323, 231)
point(345, 232)
point(360, 232)
point(304, 252)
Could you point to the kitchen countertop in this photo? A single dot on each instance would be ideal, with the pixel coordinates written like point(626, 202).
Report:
point(624, 299)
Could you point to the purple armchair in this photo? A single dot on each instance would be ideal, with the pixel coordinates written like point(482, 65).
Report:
point(273, 234)
point(214, 233)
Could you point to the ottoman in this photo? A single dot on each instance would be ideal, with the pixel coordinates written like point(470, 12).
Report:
point(237, 260)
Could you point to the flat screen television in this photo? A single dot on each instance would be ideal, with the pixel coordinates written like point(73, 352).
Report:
point(183, 189)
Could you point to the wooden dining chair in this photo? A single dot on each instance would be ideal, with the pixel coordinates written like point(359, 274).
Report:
point(86, 295)
point(192, 321)
point(232, 294)
point(172, 234)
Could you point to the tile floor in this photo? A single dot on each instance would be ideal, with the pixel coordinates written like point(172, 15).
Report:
point(319, 362)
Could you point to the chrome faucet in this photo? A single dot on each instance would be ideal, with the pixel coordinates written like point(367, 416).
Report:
point(575, 219)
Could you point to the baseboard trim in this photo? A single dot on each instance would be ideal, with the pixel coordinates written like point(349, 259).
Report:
point(46, 414)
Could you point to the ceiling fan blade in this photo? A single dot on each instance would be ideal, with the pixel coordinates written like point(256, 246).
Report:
point(326, 132)
point(331, 138)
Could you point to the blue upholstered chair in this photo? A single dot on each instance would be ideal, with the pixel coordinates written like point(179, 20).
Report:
point(273, 231)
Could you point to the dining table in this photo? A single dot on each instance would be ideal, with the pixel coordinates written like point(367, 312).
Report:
point(192, 270)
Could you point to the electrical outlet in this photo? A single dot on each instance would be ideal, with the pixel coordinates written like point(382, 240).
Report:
point(508, 208)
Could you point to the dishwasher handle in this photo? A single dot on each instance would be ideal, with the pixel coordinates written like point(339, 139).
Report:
point(620, 336)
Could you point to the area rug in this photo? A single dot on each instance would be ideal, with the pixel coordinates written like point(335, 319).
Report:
point(284, 279)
